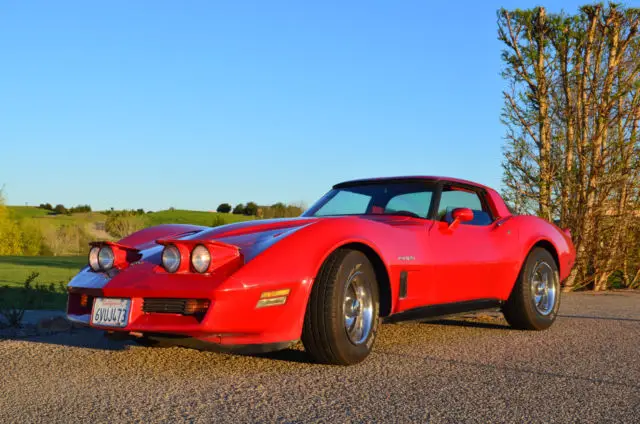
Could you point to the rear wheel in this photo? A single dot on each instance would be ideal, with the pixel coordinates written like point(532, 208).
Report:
point(535, 298)
point(341, 320)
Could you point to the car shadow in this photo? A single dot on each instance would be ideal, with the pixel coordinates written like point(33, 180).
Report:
point(599, 318)
point(509, 368)
point(86, 338)
point(470, 324)
point(286, 355)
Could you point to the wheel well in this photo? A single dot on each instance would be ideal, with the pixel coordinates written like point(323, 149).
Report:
point(384, 285)
point(549, 247)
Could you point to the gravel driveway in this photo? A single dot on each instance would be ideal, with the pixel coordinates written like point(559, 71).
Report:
point(465, 369)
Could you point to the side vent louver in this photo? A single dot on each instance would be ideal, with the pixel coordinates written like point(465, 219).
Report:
point(404, 277)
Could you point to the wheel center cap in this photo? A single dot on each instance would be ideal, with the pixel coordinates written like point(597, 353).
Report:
point(355, 307)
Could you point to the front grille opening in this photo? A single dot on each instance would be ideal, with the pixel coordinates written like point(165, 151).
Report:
point(191, 307)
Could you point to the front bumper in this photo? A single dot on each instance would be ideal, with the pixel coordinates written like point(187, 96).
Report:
point(232, 318)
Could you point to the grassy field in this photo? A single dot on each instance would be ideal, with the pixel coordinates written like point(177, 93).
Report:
point(21, 212)
point(180, 216)
point(53, 270)
point(176, 216)
point(15, 269)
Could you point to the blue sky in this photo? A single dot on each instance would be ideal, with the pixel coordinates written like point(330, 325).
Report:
point(193, 103)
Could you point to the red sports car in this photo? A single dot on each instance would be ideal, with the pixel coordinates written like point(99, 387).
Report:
point(393, 248)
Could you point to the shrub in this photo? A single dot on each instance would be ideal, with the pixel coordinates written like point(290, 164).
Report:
point(224, 208)
point(280, 210)
point(218, 221)
point(63, 240)
point(31, 238)
point(10, 236)
point(80, 208)
point(11, 308)
point(121, 224)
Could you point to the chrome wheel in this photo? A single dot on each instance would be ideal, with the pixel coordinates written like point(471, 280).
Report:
point(357, 308)
point(544, 287)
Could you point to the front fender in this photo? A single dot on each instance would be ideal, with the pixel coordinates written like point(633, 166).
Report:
point(294, 261)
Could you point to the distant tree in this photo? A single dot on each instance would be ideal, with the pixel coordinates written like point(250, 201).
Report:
point(60, 209)
point(80, 209)
point(224, 208)
point(140, 211)
point(239, 209)
point(46, 206)
point(251, 209)
point(279, 210)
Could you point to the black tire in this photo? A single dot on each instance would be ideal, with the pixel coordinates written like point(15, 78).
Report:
point(325, 334)
point(522, 311)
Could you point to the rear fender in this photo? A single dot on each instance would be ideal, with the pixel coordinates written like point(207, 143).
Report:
point(535, 231)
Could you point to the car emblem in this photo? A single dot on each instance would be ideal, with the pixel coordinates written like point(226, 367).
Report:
point(406, 258)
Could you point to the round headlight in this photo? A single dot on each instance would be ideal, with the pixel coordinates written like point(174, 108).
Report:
point(93, 258)
point(171, 258)
point(200, 258)
point(106, 258)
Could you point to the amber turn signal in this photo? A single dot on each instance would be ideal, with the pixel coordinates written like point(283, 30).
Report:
point(84, 300)
point(196, 306)
point(275, 293)
point(273, 298)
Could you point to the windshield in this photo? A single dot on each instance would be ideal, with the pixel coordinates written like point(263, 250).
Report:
point(409, 199)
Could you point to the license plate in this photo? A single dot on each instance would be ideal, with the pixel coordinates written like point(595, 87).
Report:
point(110, 312)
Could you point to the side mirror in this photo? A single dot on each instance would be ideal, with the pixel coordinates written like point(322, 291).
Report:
point(461, 215)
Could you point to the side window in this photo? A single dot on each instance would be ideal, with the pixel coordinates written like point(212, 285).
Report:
point(452, 198)
point(416, 203)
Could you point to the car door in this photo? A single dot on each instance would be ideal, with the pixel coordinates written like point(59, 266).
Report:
point(467, 258)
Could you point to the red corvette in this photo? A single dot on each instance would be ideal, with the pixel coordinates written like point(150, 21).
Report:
point(393, 248)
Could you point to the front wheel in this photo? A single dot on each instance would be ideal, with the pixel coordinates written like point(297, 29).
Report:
point(535, 298)
point(341, 319)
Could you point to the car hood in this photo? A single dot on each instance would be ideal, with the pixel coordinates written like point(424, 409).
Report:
point(252, 237)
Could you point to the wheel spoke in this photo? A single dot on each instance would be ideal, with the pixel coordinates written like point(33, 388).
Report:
point(543, 287)
point(357, 309)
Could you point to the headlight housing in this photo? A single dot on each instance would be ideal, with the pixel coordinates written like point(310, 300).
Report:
point(106, 258)
point(93, 258)
point(171, 258)
point(200, 258)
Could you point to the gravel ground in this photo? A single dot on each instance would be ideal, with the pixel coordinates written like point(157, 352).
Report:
point(586, 368)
